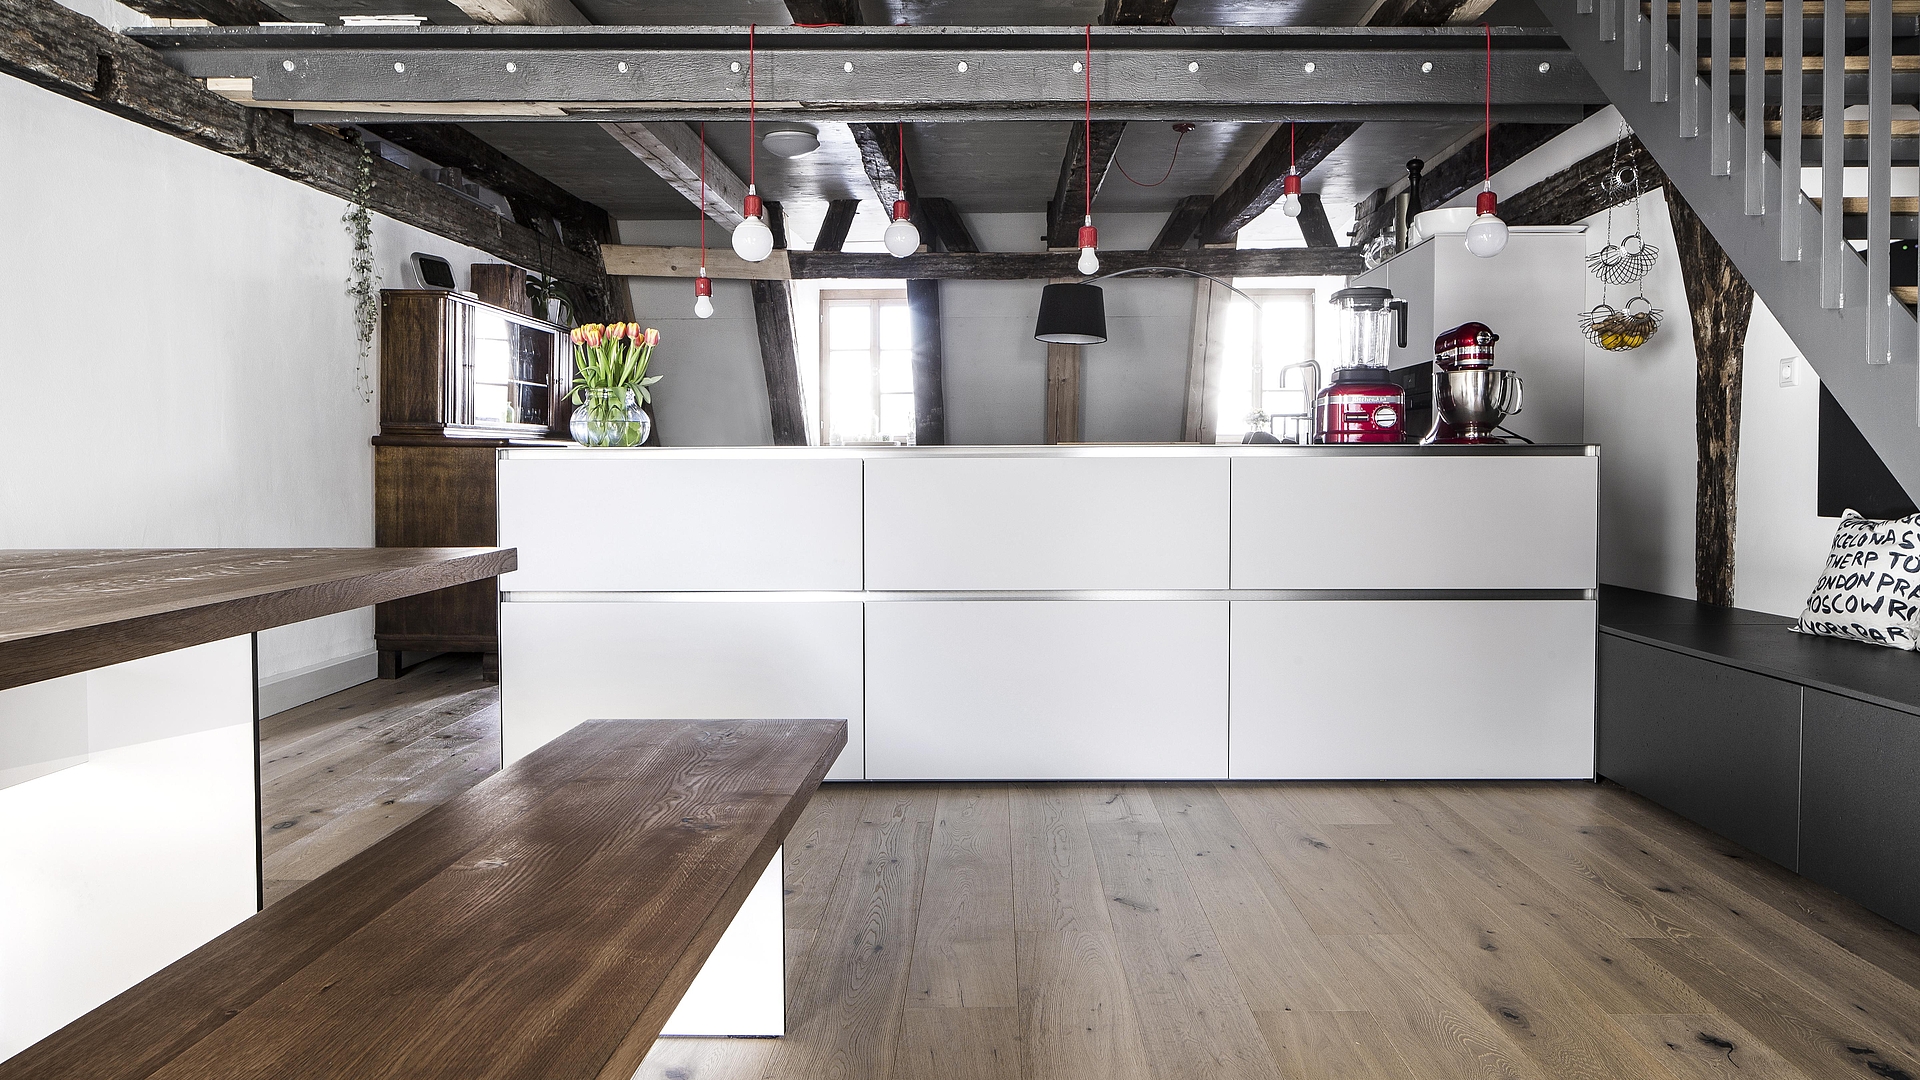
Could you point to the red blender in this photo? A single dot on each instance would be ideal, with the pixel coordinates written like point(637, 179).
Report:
point(1363, 404)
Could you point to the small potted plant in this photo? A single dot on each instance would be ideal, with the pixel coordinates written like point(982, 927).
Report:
point(610, 383)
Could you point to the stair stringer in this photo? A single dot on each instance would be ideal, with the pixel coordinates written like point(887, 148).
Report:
point(1883, 400)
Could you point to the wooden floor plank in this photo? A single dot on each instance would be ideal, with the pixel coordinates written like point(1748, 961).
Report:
point(844, 1013)
point(816, 851)
point(705, 1059)
point(1077, 1018)
point(1698, 1047)
point(959, 1044)
point(1193, 1020)
point(1274, 954)
point(1332, 894)
point(963, 951)
point(1055, 886)
point(1333, 1046)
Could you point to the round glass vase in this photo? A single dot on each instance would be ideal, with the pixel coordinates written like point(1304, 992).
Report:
point(610, 418)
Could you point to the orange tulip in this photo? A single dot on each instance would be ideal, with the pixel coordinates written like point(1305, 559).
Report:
point(576, 336)
point(653, 337)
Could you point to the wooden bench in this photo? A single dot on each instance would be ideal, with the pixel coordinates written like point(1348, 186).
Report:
point(542, 925)
point(1803, 749)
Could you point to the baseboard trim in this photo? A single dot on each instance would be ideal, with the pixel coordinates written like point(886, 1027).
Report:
point(283, 692)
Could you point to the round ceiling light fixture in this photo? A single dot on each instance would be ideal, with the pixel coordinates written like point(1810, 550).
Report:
point(791, 142)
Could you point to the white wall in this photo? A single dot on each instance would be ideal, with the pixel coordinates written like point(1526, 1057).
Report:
point(180, 352)
point(1780, 541)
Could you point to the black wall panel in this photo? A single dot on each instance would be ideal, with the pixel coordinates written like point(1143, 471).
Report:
point(1860, 804)
point(1716, 744)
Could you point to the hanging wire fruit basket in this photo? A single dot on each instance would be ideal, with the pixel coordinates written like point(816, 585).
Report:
point(1624, 263)
point(1624, 328)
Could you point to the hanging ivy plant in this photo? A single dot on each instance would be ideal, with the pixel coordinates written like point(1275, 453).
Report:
point(363, 282)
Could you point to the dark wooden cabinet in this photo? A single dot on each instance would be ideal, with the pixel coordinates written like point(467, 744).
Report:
point(459, 379)
point(1717, 744)
point(1859, 819)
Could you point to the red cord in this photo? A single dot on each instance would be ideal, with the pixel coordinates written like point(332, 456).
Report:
point(1293, 149)
point(703, 195)
point(1163, 178)
point(902, 126)
point(752, 158)
point(1087, 150)
point(1486, 140)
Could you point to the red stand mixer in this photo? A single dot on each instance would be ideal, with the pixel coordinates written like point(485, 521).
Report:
point(1363, 404)
point(1470, 396)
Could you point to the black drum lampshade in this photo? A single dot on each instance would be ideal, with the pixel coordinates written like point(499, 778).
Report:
point(1072, 313)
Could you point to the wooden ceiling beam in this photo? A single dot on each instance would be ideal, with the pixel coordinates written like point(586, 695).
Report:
point(833, 227)
point(948, 226)
point(1068, 210)
point(523, 12)
point(217, 12)
point(1138, 13)
point(1259, 184)
point(1182, 223)
point(1428, 12)
point(1313, 222)
point(1455, 173)
point(531, 195)
point(673, 151)
point(645, 261)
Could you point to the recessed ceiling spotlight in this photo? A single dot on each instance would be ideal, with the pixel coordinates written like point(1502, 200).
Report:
point(791, 142)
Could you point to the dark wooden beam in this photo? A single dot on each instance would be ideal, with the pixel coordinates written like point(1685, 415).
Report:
point(1259, 184)
point(880, 157)
point(1428, 12)
point(1068, 210)
point(217, 12)
point(1138, 13)
point(531, 195)
point(54, 47)
point(1062, 424)
point(948, 226)
point(833, 227)
point(825, 12)
point(1035, 266)
point(1720, 302)
point(1182, 223)
point(1459, 171)
point(776, 217)
point(780, 359)
point(929, 383)
point(1575, 192)
point(1313, 222)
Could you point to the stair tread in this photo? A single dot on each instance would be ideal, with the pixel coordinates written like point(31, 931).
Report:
point(1856, 65)
point(1852, 129)
point(1857, 204)
point(1907, 294)
point(1811, 9)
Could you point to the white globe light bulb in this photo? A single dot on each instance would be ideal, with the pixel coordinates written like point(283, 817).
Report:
point(1290, 204)
point(1487, 236)
point(752, 240)
point(1089, 261)
point(902, 238)
point(703, 307)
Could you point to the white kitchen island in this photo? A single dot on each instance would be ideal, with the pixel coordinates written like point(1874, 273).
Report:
point(1069, 613)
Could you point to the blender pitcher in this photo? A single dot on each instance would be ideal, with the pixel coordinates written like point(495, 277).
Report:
point(1363, 404)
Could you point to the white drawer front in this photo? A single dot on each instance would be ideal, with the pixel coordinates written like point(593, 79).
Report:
point(1456, 522)
point(1406, 689)
point(966, 523)
point(678, 524)
point(565, 663)
point(1067, 690)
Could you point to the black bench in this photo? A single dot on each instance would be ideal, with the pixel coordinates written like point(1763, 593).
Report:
point(1805, 750)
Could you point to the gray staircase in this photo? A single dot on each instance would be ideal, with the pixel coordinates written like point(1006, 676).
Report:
point(1661, 64)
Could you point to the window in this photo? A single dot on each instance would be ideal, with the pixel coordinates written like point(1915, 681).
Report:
point(1260, 346)
point(866, 366)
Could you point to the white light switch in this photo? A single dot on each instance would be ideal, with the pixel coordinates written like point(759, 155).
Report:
point(1789, 371)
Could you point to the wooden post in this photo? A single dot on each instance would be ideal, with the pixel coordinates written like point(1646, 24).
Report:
point(1203, 364)
point(1063, 394)
point(929, 387)
point(502, 286)
point(1721, 303)
point(773, 313)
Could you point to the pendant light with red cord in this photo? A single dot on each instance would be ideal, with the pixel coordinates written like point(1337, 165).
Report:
point(752, 239)
point(1089, 236)
point(1487, 236)
point(703, 285)
point(1290, 185)
point(902, 237)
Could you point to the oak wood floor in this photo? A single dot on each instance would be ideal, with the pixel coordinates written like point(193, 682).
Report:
point(1533, 931)
point(339, 773)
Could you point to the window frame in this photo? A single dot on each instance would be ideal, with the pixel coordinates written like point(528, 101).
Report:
point(872, 298)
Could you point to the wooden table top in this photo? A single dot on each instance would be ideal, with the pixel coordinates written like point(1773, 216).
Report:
point(541, 926)
point(63, 611)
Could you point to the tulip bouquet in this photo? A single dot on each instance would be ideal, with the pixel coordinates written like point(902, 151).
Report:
point(610, 383)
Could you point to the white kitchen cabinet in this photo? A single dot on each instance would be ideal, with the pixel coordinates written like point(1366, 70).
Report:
point(1412, 689)
point(562, 663)
point(664, 521)
point(988, 522)
point(1415, 521)
point(1047, 690)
